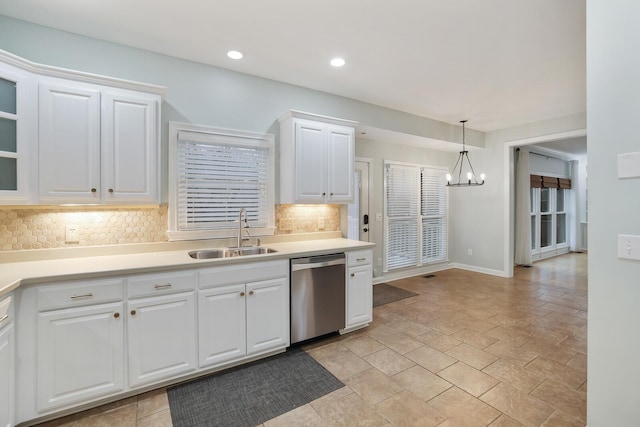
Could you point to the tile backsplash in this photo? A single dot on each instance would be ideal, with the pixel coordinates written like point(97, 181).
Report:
point(35, 228)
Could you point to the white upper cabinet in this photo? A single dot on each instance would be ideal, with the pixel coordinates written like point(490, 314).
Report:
point(316, 159)
point(18, 100)
point(97, 145)
point(73, 137)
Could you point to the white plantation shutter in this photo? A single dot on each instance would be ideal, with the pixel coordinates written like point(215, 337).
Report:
point(401, 201)
point(219, 174)
point(434, 208)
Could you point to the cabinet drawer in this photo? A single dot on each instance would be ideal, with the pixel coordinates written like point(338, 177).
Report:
point(6, 311)
point(242, 273)
point(160, 283)
point(359, 257)
point(71, 294)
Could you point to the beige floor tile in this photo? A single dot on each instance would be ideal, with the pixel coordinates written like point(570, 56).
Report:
point(405, 409)
point(506, 421)
point(438, 340)
point(421, 382)
point(152, 402)
point(341, 362)
point(514, 336)
point(579, 362)
point(529, 410)
point(468, 379)
point(389, 362)
point(301, 416)
point(430, 358)
point(157, 419)
point(331, 397)
point(510, 351)
point(395, 340)
point(560, 419)
point(474, 338)
point(462, 409)
point(514, 375)
point(373, 386)
point(350, 411)
point(472, 356)
point(568, 400)
point(556, 371)
point(410, 327)
point(362, 345)
point(559, 353)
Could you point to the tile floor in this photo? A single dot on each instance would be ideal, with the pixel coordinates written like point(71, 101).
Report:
point(469, 350)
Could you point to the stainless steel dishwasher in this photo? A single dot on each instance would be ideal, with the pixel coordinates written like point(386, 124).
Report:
point(317, 296)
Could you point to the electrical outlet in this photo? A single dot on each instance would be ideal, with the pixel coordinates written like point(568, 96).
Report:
point(378, 217)
point(72, 233)
point(321, 223)
point(469, 251)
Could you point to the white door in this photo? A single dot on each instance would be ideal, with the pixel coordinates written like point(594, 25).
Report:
point(69, 141)
point(6, 376)
point(129, 148)
point(80, 355)
point(162, 337)
point(311, 162)
point(267, 315)
point(340, 158)
point(359, 295)
point(221, 324)
point(358, 212)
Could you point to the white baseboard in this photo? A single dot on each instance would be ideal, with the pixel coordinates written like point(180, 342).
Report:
point(477, 269)
point(412, 272)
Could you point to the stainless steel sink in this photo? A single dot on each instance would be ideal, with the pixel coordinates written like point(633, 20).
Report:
point(230, 252)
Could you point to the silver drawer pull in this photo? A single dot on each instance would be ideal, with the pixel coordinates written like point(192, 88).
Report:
point(89, 295)
point(360, 259)
point(3, 318)
point(165, 286)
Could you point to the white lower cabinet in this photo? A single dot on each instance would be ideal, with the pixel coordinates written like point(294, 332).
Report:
point(161, 337)
point(359, 288)
point(239, 315)
point(7, 364)
point(80, 355)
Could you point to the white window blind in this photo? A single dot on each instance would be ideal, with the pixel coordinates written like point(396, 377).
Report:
point(216, 174)
point(434, 208)
point(402, 197)
point(416, 207)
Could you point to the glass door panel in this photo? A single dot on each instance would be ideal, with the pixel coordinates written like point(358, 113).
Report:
point(7, 96)
point(8, 135)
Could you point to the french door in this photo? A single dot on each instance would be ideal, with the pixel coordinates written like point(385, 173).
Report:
point(549, 222)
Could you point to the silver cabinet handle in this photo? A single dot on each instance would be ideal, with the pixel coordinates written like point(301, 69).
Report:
point(360, 259)
point(353, 274)
point(89, 295)
point(165, 286)
point(3, 318)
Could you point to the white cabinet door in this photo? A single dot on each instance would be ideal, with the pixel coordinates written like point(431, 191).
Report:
point(340, 164)
point(69, 139)
point(310, 148)
point(221, 324)
point(7, 370)
point(161, 337)
point(359, 295)
point(80, 355)
point(129, 147)
point(267, 315)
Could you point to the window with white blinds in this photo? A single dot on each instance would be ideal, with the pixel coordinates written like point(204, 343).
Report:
point(217, 173)
point(416, 208)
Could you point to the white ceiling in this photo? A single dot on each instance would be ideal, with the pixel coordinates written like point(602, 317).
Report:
point(498, 63)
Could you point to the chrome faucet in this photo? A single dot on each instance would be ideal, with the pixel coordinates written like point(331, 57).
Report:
point(246, 225)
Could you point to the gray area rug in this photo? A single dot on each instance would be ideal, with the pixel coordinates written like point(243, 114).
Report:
point(383, 293)
point(251, 394)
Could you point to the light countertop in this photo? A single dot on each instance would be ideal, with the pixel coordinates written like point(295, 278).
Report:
point(14, 274)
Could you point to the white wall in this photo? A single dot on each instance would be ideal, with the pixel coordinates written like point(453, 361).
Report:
point(613, 103)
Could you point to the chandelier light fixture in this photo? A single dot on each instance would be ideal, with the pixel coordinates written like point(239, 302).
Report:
point(457, 171)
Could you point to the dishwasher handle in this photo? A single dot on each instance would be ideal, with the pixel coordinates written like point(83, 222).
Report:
point(309, 265)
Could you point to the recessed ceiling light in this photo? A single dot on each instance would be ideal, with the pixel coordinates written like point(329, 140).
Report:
point(234, 54)
point(338, 62)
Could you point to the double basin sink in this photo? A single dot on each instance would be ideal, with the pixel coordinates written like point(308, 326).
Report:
point(230, 252)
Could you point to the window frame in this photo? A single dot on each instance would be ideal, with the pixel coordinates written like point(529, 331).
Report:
point(538, 252)
point(264, 140)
